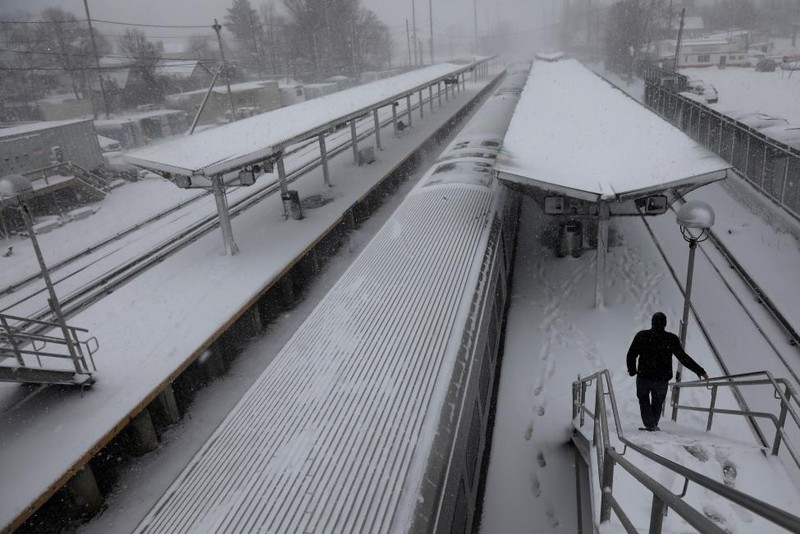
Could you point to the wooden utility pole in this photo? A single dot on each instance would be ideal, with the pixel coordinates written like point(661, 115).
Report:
point(408, 37)
point(96, 62)
point(414, 29)
point(217, 29)
point(430, 9)
point(678, 43)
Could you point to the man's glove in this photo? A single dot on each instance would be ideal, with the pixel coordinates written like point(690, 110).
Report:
point(703, 376)
point(632, 373)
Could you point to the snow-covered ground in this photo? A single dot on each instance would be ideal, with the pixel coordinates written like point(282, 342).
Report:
point(554, 334)
point(744, 90)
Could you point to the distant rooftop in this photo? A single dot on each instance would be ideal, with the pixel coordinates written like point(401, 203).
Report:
point(33, 127)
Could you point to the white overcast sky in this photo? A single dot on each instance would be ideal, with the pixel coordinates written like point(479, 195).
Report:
point(523, 15)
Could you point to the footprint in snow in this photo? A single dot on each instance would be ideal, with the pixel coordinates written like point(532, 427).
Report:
point(698, 451)
point(540, 459)
point(537, 488)
point(541, 411)
point(551, 515)
point(717, 517)
point(529, 431)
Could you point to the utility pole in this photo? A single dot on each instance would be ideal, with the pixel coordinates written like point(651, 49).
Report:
point(96, 61)
point(408, 36)
point(414, 29)
point(678, 43)
point(475, 17)
point(430, 9)
point(216, 27)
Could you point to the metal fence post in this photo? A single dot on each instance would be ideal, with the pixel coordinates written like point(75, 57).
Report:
point(607, 488)
point(12, 340)
point(776, 445)
point(711, 407)
point(656, 515)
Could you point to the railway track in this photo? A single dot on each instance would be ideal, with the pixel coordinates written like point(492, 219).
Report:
point(94, 290)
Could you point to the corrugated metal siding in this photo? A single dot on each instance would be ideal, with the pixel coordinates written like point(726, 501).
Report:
point(324, 440)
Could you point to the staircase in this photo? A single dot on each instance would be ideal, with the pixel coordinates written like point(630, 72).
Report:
point(43, 352)
point(629, 480)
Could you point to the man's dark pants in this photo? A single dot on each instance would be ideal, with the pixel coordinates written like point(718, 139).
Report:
point(651, 395)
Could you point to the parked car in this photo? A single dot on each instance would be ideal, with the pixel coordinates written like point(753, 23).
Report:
point(790, 65)
point(788, 135)
point(766, 65)
point(759, 121)
point(751, 60)
point(706, 90)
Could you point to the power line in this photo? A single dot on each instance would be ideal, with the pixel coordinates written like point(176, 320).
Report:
point(116, 67)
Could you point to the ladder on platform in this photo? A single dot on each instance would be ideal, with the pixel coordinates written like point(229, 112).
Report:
point(39, 352)
point(599, 457)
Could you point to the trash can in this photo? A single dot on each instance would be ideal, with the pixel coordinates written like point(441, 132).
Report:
point(291, 204)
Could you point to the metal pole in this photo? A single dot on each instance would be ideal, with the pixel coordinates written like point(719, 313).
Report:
point(54, 304)
point(422, 109)
point(354, 140)
point(604, 214)
point(408, 109)
point(439, 92)
point(323, 153)
point(430, 96)
point(205, 100)
point(224, 217)
point(282, 176)
point(394, 117)
point(687, 302)
point(216, 27)
point(96, 58)
point(377, 129)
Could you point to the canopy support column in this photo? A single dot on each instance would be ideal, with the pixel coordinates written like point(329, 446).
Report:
point(408, 108)
point(603, 217)
point(323, 154)
point(377, 129)
point(354, 140)
point(282, 176)
point(224, 217)
point(430, 96)
point(421, 106)
point(394, 117)
point(439, 92)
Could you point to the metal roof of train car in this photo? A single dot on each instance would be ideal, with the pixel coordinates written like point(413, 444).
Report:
point(576, 134)
point(248, 141)
point(339, 428)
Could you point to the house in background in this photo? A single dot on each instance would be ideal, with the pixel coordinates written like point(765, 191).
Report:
point(249, 98)
point(141, 127)
point(186, 75)
point(292, 91)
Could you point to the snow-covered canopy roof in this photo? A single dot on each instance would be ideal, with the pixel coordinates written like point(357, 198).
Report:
point(251, 140)
point(576, 134)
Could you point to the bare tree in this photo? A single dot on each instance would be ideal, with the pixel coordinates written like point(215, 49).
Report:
point(144, 56)
point(245, 25)
point(632, 26)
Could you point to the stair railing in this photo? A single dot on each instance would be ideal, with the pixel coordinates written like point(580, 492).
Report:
point(17, 343)
point(782, 391)
point(608, 459)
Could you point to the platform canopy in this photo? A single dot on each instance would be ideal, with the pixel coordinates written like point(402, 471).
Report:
point(248, 141)
point(575, 134)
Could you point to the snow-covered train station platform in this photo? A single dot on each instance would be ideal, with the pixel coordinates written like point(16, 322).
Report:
point(199, 304)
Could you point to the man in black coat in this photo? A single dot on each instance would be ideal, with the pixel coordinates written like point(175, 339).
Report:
point(654, 348)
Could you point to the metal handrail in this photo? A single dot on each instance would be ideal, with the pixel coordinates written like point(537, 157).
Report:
point(15, 341)
point(787, 397)
point(663, 498)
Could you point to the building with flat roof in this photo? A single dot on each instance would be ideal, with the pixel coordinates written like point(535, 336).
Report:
point(27, 147)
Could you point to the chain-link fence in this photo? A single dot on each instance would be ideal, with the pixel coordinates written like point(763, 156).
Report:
point(771, 166)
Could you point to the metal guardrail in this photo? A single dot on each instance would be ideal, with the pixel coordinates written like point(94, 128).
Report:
point(782, 390)
point(608, 458)
point(26, 347)
point(769, 165)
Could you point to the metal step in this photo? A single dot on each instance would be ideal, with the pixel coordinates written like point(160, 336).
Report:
point(44, 376)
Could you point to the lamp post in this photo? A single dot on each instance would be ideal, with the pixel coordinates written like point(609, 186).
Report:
point(695, 219)
point(16, 186)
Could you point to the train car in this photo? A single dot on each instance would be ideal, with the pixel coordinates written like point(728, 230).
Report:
point(374, 415)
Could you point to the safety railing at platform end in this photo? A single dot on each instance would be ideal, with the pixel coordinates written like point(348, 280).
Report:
point(608, 458)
